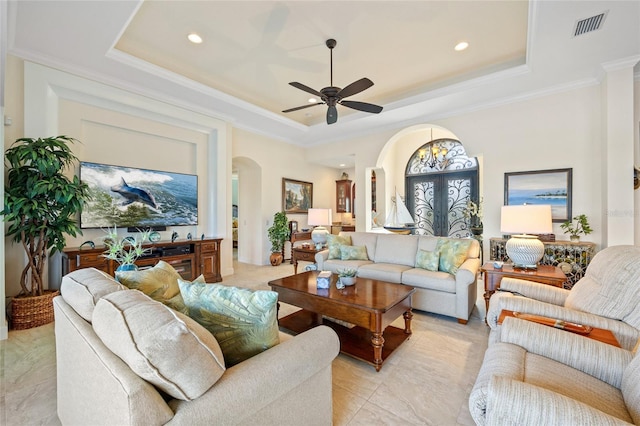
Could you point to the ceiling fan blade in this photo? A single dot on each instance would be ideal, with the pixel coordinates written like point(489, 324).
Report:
point(305, 88)
point(355, 87)
point(332, 114)
point(362, 106)
point(303, 107)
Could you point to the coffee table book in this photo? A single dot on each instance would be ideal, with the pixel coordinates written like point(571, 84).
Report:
point(370, 305)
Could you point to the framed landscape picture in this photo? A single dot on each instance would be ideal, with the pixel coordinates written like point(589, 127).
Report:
point(541, 187)
point(297, 196)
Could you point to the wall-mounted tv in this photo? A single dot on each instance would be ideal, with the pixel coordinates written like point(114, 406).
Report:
point(140, 198)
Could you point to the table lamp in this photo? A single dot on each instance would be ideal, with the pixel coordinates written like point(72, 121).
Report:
point(319, 218)
point(525, 250)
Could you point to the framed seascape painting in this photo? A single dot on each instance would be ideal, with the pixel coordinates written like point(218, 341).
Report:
point(297, 196)
point(541, 187)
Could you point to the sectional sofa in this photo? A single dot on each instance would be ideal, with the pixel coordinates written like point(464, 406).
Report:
point(125, 359)
point(392, 258)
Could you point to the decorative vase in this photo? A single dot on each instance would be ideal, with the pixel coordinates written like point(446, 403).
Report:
point(275, 258)
point(127, 267)
point(32, 311)
point(154, 236)
point(477, 230)
point(575, 238)
point(348, 280)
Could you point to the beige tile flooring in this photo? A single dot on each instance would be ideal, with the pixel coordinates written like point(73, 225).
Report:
point(426, 382)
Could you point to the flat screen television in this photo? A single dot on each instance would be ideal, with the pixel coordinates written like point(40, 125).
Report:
point(137, 198)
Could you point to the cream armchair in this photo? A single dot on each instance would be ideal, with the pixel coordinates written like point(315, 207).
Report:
point(608, 297)
point(540, 375)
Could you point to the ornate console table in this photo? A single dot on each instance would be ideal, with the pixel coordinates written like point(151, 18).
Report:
point(572, 258)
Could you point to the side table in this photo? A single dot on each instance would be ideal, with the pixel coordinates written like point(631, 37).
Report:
point(545, 274)
point(302, 253)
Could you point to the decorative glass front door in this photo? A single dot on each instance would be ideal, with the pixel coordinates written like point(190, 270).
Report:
point(438, 192)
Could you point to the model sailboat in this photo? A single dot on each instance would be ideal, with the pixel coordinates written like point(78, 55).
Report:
point(399, 219)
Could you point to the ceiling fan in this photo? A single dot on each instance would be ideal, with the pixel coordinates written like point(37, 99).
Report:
point(333, 96)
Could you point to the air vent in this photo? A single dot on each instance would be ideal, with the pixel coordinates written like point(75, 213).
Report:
point(588, 25)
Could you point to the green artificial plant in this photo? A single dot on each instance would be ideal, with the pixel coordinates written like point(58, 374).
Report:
point(125, 250)
point(278, 232)
point(40, 202)
point(581, 226)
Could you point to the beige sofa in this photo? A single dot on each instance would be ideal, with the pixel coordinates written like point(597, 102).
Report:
point(392, 258)
point(287, 384)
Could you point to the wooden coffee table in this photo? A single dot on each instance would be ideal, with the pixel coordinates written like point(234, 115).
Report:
point(370, 305)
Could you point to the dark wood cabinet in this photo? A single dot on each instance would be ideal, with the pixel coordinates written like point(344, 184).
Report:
point(190, 258)
point(343, 196)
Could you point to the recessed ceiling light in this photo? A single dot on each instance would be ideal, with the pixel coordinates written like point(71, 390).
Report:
point(341, 165)
point(461, 46)
point(312, 100)
point(194, 38)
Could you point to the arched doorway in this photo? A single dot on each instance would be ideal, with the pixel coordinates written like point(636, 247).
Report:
point(440, 179)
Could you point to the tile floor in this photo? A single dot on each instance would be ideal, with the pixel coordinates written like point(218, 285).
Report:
point(426, 382)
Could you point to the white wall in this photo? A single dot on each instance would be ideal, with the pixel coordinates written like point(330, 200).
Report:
point(117, 127)
point(561, 130)
point(275, 160)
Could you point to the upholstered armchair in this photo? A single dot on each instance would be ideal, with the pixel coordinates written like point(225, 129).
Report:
point(608, 297)
point(539, 375)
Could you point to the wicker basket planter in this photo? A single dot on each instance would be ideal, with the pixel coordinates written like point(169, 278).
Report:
point(32, 311)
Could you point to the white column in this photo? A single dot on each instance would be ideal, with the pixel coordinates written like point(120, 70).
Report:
point(618, 127)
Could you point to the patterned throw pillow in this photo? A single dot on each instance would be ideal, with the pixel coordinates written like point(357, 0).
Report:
point(453, 253)
point(335, 242)
point(244, 322)
point(428, 260)
point(353, 253)
point(159, 283)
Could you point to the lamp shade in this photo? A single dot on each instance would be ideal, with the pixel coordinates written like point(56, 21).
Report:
point(319, 217)
point(528, 219)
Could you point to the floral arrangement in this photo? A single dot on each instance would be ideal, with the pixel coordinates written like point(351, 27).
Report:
point(473, 212)
point(124, 250)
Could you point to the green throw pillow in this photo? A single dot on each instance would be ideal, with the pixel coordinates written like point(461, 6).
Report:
point(453, 253)
point(159, 283)
point(244, 322)
point(353, 253)
point(335, 242)
point(428, 260)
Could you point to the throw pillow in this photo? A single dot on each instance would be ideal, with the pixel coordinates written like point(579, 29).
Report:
point(335, 242)
point(453, 253)
point(164, 347)
point(353, 253)
point(244, 322)
point(159, 283)
point(428, 260)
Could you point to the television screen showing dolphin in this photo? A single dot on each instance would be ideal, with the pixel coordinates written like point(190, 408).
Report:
point(133, 197)
point(133, 194)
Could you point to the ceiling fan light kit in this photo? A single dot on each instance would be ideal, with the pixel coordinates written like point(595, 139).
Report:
point(332, 96)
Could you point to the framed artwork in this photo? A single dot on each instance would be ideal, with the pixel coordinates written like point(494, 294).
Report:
point(541, 187)
point(297, 196)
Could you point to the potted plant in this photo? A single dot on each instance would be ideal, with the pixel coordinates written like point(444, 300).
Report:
point(578, 225)
point(125, 250)
point(40, 203)
point(278, 234)
point(347, 276)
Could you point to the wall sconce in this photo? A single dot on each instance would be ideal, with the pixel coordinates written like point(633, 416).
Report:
point(434, 156)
